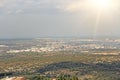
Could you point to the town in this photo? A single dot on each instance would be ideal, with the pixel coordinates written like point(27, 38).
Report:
point(51, 45)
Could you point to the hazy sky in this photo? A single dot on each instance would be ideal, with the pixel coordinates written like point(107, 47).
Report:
point(39, 18)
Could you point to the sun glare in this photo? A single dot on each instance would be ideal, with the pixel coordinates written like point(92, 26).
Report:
point(102, 7)
point(101, 3)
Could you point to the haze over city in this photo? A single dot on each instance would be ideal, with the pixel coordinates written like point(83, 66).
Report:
point(59, 39)
point(43, 18)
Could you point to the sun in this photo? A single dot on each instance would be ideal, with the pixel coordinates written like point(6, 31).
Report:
point(101, 3)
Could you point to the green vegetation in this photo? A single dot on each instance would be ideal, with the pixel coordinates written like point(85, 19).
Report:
point(61, 66)
point(61, 77)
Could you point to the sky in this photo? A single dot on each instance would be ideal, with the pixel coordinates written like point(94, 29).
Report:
point(43, 18)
